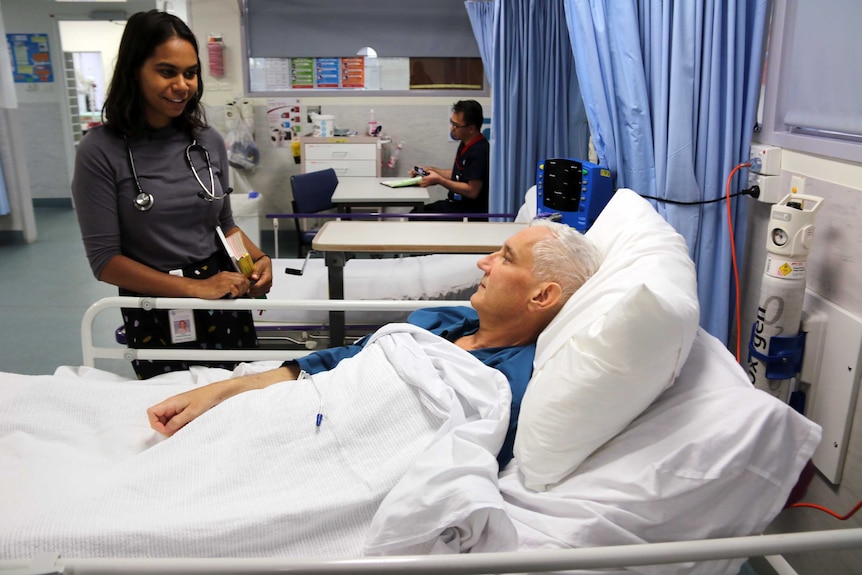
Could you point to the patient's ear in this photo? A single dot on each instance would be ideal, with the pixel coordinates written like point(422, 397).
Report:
point(547, 295)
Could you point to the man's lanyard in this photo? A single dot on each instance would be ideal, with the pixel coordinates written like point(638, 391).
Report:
point(466, 147)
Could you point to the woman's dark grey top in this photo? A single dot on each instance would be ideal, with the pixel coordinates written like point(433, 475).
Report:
point(179, 229)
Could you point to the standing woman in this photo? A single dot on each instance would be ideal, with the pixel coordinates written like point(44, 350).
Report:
point(150, 187)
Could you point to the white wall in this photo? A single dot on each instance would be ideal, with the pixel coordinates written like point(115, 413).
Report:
point(421, 121)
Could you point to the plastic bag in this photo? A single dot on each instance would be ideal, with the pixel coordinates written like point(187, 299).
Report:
point(243, 153)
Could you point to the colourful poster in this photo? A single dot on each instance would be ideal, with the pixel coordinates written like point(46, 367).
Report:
point(353, 72)
point(285, 120)
point(31, 59)
point(301, 73)
point(327, 73)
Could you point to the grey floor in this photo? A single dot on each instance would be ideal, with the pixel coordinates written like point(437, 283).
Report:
point(47, 286)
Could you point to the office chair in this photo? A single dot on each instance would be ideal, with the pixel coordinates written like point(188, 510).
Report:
point(312, 193)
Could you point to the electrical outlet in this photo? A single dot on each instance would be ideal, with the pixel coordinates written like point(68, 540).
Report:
point(770, 191)
point(770, 159)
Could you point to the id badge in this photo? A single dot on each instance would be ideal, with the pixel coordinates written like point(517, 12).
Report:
point(182, 325)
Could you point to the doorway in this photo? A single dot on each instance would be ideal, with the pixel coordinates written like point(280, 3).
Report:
point(90, 51)
point(89, 85)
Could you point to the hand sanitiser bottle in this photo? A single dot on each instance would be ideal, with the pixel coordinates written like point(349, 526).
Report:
point(372, 123)
point(393, 159)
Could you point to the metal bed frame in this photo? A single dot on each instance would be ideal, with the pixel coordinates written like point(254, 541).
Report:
point(769, 546)
point(91, 351)
point(535, 561)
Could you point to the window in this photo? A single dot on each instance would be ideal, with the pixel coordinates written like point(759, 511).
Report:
point(329, 46)
point(446, 73)
point(812, 82)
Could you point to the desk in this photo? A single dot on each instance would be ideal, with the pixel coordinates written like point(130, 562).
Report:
point(336, 238)
point(364, 192)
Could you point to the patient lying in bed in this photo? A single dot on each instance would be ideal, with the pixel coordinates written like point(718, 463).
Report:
point(521, 291)
point(315, 459)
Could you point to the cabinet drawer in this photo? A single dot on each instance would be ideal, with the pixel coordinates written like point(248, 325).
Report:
point(344, 168)
point(341, 151)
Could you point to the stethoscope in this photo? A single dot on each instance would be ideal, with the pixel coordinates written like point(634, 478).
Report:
point(144, 201)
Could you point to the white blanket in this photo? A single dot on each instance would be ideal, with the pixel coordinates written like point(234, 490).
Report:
point(82, 474)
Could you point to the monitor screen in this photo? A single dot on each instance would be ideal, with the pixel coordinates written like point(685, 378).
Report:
point(562, 184)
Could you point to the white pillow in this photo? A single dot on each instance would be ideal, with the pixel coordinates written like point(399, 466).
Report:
point(614, 347)
point(527, 211)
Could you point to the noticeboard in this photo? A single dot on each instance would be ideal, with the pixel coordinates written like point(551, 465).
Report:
point(31, 58)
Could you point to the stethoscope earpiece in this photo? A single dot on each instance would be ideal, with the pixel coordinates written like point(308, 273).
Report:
point(207, 193)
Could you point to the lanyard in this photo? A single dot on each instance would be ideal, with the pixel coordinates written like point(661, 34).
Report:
point(466, 147)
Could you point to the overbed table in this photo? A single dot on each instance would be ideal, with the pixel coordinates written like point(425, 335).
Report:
point(369, 192)
point(338, 238)
point(364, 192)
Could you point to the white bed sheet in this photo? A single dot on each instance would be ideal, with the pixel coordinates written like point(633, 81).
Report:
point(82, 474)
point(712, 457)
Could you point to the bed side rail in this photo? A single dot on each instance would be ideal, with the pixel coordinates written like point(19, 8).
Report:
point(533, 561)
point(91, 351)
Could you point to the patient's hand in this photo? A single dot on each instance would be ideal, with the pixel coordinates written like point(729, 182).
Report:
point(172, 414)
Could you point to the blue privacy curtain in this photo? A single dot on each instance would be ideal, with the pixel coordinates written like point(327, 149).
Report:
point(537, 107)
point(4, 198)
point(671, 90)
point(481, 13)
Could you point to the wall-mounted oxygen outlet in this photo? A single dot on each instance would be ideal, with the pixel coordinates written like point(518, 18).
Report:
point(766, 159)
point(797, 185)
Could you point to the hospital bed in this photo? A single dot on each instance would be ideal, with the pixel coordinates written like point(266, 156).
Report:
point(641, 448)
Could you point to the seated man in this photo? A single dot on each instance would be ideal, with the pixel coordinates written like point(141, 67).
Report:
point(467, 181)
point(525, 284)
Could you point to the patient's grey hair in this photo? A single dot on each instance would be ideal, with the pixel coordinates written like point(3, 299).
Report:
point(568, 258)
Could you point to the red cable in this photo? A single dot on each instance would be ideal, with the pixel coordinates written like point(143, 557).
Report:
point(733, 258)
point(829, 511)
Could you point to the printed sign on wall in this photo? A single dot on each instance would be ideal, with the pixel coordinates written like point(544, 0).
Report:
point(31, 59)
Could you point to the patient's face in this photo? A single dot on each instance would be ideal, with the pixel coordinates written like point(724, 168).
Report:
point(509, 282)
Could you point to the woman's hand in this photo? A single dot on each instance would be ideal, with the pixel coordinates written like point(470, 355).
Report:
point(222, 284)
point(261, 277)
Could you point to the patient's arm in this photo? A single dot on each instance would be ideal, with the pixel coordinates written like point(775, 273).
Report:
point(173, 413)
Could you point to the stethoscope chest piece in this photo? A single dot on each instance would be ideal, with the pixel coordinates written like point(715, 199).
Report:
point(144, 201)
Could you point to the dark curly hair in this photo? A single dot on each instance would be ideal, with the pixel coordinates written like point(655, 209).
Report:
point(123, 111)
